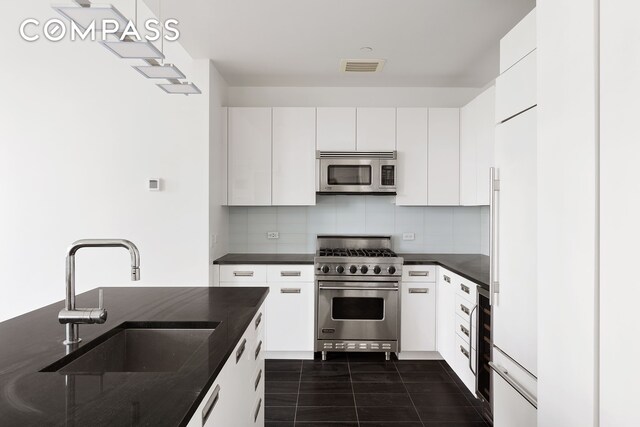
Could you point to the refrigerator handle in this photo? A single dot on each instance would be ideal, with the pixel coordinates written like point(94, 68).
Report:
point(471, 335)
point(494, 284)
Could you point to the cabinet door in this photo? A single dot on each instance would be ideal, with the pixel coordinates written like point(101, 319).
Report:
point(444, 157)
point(418, 322)
point(445, 313)
point(294, 155)
point(515, 308)
point(518, 42)
point(249, 156)
point(516, 88)
point(486, 110)
point(411, 139)
point(469, 126)
point(336, 129)
point(376, 129)
point(290, 317)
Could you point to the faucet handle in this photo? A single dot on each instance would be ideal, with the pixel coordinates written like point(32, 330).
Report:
point(100, 298)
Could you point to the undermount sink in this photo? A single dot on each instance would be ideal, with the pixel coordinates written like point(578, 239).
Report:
point(138, 347)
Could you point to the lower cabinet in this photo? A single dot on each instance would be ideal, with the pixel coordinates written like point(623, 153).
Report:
point(445, 314)
point(418, 320)
point(236, 398)
point(290, 304)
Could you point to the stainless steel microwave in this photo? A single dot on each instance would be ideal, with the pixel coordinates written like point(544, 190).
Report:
point(351, 172)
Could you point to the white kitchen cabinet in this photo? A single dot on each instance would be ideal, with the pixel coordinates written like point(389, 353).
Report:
point(376, 129)
point(411, 144)
point(241, 273)
point(418, 318)
point(336, 129)
point(291, 318)
point(518, 42)
point(477, 136)
point(249, 151)
point(445, 315)
point(510, 384)
point(443, 182)
point(294, 156)
point(516, 88)
point(465, 358)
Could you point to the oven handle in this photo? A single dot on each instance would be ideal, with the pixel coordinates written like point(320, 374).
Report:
point(341, 288)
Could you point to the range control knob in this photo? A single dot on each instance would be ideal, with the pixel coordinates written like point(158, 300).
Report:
point(353, 269)
point(391, 270)
point(325, 269)
point(340, 269)
point(377, 269)
point(364, 269)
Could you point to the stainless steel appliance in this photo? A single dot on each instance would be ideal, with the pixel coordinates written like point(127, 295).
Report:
point(357, 172)
point(357, 300)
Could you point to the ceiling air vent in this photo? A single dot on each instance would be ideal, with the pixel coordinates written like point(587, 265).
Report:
point(361, 65)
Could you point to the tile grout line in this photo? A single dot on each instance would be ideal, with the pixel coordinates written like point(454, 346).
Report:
point(463, 391)
point(353, 392)
point(295, 413)
point(408, 394)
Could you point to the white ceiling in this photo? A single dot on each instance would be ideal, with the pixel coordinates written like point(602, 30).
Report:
point(301, 42)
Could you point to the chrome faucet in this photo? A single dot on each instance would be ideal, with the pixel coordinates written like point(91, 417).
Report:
point(71, 316)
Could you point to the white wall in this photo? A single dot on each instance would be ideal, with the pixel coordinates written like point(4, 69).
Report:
point(351, 96)
point(80, 134)
point(567, 200)
point(437, 229)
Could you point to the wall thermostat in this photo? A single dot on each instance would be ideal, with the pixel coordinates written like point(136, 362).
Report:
point(154, 184)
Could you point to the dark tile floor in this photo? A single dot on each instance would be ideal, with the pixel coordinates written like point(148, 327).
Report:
point(361, 389)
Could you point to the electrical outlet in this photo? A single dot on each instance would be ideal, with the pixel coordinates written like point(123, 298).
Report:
point(273, 235)
point(408, 236)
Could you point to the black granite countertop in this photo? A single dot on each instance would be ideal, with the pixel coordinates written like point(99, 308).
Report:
point(33, 341)
point(474, 267)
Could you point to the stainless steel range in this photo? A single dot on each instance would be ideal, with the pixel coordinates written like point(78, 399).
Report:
point(357, 299)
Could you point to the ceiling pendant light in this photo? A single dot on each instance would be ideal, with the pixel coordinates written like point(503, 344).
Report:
point(166, 71)
point(180, 88)
point(84, 15)
point(133, 49)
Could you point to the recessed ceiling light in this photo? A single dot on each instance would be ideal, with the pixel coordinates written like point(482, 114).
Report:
point(84, 16)
point(134, 50)
point(180, 88)
point(366, 49)
point(167, 71)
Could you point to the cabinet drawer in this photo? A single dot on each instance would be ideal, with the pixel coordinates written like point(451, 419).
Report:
point(290, 273)
point(463, 308)
point(516, 88)
point(464, 332)
point(463, 359)
point(243, 273)
point(466, 289)
point(419, 273)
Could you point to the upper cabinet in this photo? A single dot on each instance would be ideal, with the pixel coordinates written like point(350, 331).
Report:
point(518, 42)
point(336, 129)
point(249, 133)
point(412, 136)
point(294, 145)
point(376, 129)
point(444, 157)
point(477, 130)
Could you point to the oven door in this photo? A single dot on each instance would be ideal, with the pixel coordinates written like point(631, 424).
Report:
point(349, 175)
point(358, 310)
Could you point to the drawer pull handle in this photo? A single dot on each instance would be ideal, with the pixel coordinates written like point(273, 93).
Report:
point(446, 278)
point(258, 378)
point(418, 290)
point(465, 289)
point(464, 309)
point(290, 290)
point(211, 403)
point(258, 320)
point(258, 350)
point(243, 273)
point(419, 273)
point(240, 350)
point(257, 412)
point(290, 273)
point(464, 330)
point(464, 351)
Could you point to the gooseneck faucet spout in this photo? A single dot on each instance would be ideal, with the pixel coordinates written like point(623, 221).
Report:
point(71, 316)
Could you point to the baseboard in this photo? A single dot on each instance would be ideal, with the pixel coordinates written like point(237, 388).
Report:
point(306, 355)
point(419, 355)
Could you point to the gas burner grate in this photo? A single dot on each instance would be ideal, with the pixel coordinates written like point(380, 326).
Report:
point(344, 252)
